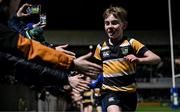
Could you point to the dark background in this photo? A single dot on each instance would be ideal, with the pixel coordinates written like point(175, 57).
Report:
point(87, 14)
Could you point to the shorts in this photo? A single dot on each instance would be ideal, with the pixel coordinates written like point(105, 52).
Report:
point(127, 101)
point(97, 101)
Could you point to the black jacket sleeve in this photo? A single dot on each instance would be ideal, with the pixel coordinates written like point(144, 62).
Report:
point(35, 74)
point(8, 39)
point(17, 24)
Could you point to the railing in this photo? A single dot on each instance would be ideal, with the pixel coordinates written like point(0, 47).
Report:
point(156, 83)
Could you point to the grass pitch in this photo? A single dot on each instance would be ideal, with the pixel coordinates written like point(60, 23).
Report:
point(156, 109)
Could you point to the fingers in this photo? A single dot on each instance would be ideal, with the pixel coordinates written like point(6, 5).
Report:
point(79, 89)
point(76, 96)
point(24, 14)
point(42, 26)
point(92, 66)
point(20, 11)
point(24, 5)
point(130, 58)
point(78, 83)
point(95, 66)
point(80, 75)
point(92, 75)
point(63, 46)
point(93, 70)
point(86, 56)
point(75, 91)
point(36, 25)
point(69, 52)
point(87, 67)
point(82, 85)
point(60, 48)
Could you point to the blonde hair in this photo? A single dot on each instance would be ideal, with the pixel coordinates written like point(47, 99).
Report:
point(118, 12)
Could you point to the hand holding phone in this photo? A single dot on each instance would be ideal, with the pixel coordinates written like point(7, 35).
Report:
point(42, 18)
point(34, 9)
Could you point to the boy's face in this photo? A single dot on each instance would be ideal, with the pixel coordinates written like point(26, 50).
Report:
point(113, 27)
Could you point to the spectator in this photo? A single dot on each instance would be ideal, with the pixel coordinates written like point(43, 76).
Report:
point(15, 44)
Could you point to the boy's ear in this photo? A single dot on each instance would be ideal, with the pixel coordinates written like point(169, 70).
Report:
point(125, 24)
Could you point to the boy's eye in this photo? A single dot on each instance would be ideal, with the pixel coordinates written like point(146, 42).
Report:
point(106, 22)
point(112, 22)
point(115, 22)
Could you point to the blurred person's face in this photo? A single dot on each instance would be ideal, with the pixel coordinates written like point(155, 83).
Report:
point(113, 27)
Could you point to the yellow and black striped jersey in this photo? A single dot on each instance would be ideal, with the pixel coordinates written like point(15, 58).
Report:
point(87, 96)
point(118, 73)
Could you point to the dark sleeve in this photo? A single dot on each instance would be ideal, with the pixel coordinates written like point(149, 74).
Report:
point(35, 74)
point(17, 24)
point(142, 51)
point(8, 39)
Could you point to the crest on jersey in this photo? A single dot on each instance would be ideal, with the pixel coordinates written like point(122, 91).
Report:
point(124, 50)
point(106, 54)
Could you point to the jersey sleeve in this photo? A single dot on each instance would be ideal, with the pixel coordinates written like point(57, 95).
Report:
point(138, 47)
point(97, 52)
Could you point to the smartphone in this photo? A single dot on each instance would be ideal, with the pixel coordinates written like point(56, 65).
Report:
point(34, 9)
point(42, 19)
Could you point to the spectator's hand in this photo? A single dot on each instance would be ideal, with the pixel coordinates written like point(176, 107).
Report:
point(131, 58)
point(38, 25)
point(78, 83)
point(76, 96)
point(62, 48)
point(20, 12)
point(87, 67)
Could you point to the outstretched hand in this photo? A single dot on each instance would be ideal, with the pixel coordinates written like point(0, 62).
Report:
point(20, 12)
point(76, 96)
point(87, 67)
point(78, 83)
point(62, 48)
point(38, 25)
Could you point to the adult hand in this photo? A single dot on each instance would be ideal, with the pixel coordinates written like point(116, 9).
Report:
point(20, 12)
point(78, 83)
point(76, 96)
point(62, 48)
point(87, 67)
point(38, 25)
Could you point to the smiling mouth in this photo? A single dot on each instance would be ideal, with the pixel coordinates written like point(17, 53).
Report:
point(111, 33)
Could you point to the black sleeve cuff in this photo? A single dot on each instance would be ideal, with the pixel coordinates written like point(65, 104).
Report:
point(72, 66)
point(142, 51)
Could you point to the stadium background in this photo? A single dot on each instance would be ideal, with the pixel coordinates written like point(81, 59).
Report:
point(80, 24)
